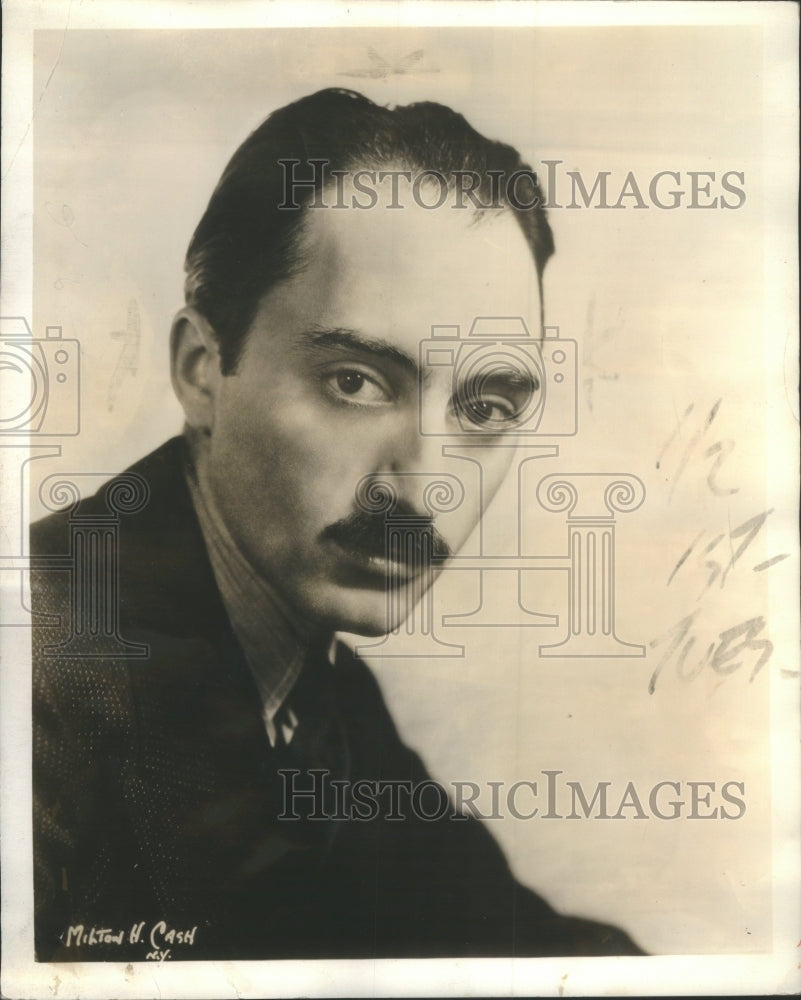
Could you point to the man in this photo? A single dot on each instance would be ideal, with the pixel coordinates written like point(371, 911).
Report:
point(162, 826)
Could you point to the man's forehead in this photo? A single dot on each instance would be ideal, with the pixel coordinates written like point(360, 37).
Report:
point(412, 268)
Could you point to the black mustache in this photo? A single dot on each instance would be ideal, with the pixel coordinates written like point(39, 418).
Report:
point(367, 534)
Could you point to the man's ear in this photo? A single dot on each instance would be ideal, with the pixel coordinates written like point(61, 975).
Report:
point(195, 368)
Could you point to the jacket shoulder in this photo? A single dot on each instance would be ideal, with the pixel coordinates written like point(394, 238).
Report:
point(144, 521)
point(127, 492)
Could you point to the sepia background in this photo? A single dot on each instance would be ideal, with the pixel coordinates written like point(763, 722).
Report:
point(131, 132)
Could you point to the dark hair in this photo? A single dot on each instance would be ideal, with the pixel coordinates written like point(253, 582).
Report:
point(249, 240)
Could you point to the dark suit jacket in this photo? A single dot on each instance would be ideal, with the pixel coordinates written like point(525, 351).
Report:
point(157, 794)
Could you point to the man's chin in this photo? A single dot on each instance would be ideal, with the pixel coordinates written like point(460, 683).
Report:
point(356, 611)
point(364, 630)
point(362, 624)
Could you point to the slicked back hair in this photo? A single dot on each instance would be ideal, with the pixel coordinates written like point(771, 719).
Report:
point(249, 237)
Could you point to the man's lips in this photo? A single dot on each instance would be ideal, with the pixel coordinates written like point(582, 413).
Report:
point(369, 550)
point(377, 568)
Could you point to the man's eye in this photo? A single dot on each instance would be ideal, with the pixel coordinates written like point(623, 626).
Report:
point(497, 399)
point(488, 412)
point(350, 382)
point(356, 385)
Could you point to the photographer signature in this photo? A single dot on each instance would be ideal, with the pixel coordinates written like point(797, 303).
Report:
point(157, 937)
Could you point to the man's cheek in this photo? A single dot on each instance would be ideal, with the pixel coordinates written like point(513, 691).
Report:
point(313, 480)
point(316, 433)
point(327, 451)
point(496, 466)
point(458, 529)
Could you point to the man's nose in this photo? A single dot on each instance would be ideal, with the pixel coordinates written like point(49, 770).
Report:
point(412, 462)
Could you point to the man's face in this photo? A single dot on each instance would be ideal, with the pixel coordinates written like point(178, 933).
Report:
point(328, 392)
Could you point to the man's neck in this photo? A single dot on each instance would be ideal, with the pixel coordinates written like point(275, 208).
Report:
point(275, 640)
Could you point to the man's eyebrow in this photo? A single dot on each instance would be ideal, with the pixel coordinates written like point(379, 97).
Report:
point(352, 340)
point(516, 378)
